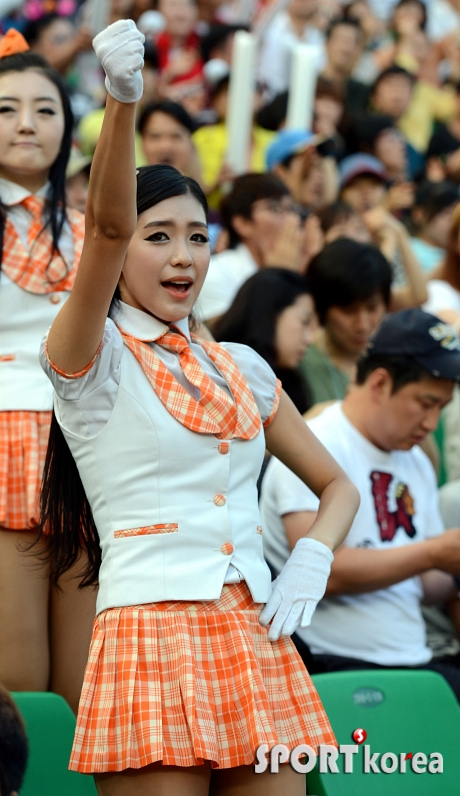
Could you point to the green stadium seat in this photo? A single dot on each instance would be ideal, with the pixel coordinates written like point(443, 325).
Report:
point(402, 712)
point(50, 727)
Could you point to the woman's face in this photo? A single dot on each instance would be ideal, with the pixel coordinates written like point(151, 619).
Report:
point(350, 328)
point(295, 327)
point(167, 259)
point(31, 127)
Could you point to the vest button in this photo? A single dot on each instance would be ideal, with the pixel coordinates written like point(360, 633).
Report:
point(259, 529)
point(219, 500)
point(55, 298)
point(227, 549)
point(223, 448)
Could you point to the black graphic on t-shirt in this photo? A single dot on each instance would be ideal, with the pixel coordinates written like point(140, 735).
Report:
point(390, 521)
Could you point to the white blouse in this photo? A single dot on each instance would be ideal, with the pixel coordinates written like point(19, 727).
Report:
point(86, 403)
point(95, 392)
point(25, 316)
point(11, 195)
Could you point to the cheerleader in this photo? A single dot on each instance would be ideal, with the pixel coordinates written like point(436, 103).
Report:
point(44, 633)
point(158, 439)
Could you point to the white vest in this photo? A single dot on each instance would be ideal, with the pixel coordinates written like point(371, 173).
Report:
point(24, 318)
point(145, 469)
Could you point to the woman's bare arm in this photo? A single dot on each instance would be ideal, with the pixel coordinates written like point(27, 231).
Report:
point(110, 221)
point(291, 441)
point(111, 215)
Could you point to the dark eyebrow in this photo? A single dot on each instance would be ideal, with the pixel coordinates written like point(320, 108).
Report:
point(172, 224)
point(37, 99)
point(430, 397)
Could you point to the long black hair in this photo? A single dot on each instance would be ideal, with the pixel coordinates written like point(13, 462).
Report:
point(55, 208)
point(66, 520)
point(252, 318)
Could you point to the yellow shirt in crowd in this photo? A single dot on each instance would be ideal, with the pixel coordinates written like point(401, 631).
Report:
point(429, 104)
point(211, 145)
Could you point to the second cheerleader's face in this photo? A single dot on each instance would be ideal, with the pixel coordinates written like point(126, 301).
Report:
point(31, 127)
point(167, 259)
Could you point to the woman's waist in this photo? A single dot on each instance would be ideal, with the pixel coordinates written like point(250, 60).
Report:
point(234, 596)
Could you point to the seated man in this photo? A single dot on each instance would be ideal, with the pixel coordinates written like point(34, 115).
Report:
point(262, 229)
point(311, 178)
point(166, 131)
point(351, 286)
point(396, 554)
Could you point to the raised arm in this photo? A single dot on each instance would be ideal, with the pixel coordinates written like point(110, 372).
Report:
point(111, 206)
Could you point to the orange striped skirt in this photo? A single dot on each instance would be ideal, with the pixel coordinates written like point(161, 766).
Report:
point(185, 682)
point(23, 444)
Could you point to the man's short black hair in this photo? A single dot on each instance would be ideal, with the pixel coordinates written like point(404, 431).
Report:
point(346, 271)
point(248, 189)
point(171, 108)
point(393, 71)
point(13, 745)
point(350, 21)
point(434, 197)
point(366, 129)
point(403, 370)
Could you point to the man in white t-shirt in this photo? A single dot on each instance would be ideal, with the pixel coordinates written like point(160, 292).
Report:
point(396, 554)
point(254, 216)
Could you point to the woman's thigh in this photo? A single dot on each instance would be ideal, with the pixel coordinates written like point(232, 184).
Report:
point(24, 601)
point(72, 612)
point(156, 780)
point(243, 781)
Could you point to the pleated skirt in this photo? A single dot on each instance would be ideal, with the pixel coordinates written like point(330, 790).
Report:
point(23, 444)
point(185, 682)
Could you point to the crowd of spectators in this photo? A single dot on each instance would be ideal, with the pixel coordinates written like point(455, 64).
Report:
point(330, 229)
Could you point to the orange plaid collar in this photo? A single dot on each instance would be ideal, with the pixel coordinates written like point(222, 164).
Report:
point(245, 423)
point(35, 270)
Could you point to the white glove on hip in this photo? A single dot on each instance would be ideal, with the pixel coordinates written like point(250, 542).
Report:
point(298, 588)
point(120, 51)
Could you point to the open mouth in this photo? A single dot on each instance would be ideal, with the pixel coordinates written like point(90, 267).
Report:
point(178, 288)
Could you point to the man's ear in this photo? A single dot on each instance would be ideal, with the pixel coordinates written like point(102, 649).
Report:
point(242, 226)
point(380, 384)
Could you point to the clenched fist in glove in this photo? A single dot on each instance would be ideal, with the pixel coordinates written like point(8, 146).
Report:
point(120, 51)
point(298, 588)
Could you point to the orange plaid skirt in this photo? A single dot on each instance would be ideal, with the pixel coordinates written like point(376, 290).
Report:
point(23, 444)
point(184, 682)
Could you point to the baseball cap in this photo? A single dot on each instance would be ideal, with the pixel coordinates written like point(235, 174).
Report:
point(287, 143)
point(422, 337)
point(355, 165)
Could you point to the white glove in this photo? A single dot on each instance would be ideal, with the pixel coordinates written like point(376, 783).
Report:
point(120, 51)
point(298, 588)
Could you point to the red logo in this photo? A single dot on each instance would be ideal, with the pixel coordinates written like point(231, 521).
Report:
point(359, 735)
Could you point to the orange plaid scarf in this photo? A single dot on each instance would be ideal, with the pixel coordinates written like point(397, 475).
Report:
point(34, 270)
point(215, 412)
